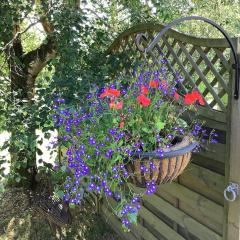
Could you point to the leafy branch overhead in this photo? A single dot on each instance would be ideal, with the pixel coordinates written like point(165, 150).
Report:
point(25, 66)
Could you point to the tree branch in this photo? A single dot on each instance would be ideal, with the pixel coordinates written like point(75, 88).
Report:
point(38, 58)
point(16, 40)
point(48, 28)
point(46, 7)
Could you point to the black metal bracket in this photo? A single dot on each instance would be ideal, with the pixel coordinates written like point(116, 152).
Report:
point(235, 66)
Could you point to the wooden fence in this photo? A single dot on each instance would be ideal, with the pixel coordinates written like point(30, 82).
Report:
point(193, 207)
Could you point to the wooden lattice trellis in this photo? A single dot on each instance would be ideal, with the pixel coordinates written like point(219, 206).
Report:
point(204, 68)
point(193, 207)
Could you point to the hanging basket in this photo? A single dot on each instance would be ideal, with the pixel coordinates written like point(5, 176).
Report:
point(161, 169)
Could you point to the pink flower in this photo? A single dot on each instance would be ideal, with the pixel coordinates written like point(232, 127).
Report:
point(176, 96)
point(112, 104)
point(117, 106)
point(121, 125)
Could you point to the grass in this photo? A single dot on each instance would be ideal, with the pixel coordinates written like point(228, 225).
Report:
point(20, 221)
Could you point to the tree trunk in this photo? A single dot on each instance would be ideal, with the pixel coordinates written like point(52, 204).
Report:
point(24, 68)
point(23, 136)
point(23, 161)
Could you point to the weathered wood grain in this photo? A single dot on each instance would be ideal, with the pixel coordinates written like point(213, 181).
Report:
point(232, 209)
point(204, 182)
point(159, 225)
point(204, 42)
point(181, 218)
point(201, 204)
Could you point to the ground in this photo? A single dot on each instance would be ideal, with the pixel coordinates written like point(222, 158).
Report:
point(20, 221)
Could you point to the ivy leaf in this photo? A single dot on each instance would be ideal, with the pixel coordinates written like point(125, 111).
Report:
point(40, 142)
point(39, 152)
point(2, 161)
point(47, 135)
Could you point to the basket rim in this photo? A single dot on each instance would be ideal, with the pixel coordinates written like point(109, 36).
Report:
point(181, 148)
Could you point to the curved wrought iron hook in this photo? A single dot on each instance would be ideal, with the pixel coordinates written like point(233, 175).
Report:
point(236, 64)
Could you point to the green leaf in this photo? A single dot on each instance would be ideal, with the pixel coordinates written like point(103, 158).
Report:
point(120, 143)
point(132, 217)
point(17, 179)
point(72, 205)
point(160, 125)
point(2, 161)
point(39, 151)
point(182, 123)
point(117, 158)
point(63, 168)
point(115, 120)
point(146, 130)
point(60, 194)
point(152, 139)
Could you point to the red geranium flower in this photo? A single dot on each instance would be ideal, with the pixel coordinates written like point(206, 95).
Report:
point(201, 101)
point(110, 92)
point(199, 97)
point(144, 90)
point(154, 83)
point(189, 99)
point(114, 92)
point(143, 100)
point(192, 97)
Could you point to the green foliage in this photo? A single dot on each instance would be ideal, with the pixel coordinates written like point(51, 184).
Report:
point(12, 12)
point(225, 13)
point(77, 44)
point(113, 126)
point(81, 36)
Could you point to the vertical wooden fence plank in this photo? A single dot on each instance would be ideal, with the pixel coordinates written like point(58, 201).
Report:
point(232, 228)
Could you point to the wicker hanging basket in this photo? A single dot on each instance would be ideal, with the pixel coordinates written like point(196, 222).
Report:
point(164, 169)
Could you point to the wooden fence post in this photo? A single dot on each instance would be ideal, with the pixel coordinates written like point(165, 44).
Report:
point(232, 228)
